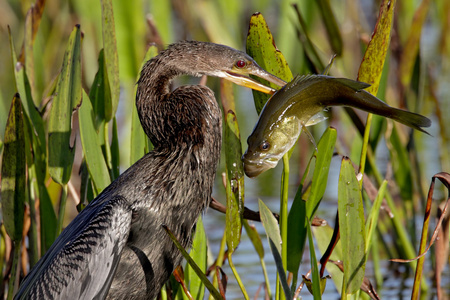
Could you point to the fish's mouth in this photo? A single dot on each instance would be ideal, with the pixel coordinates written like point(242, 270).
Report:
point(254, 167)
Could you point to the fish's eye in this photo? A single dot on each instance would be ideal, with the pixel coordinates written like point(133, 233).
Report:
point(240, 64)
point(264, 146)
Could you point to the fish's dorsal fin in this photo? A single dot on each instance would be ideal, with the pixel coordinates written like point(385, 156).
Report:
point(327, 68)
point(353, 84)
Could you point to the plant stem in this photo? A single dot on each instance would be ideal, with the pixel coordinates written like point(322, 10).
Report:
point(284, 211)
point(15, 264)
point(236, 275)
point(62, 209)
point(365, 146)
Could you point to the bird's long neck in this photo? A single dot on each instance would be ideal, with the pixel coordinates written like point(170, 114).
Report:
point(188, 117)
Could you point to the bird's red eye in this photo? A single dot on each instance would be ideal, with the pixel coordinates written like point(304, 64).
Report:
point(240, 64)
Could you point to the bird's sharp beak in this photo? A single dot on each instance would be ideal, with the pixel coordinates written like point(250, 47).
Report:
point(253, 84)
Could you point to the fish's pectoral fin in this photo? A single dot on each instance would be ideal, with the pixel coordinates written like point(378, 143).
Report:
point(308, 133)
point(317, 118)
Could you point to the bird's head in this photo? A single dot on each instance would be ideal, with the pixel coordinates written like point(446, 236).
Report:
point(225, 62)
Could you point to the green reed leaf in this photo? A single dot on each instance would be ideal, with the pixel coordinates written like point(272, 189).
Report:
point(13, 172)
point(68, 97)
point(352, 229)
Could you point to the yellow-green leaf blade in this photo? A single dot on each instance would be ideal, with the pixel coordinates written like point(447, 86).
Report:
point(68, 97)
point(372, 64)
point(261, 46)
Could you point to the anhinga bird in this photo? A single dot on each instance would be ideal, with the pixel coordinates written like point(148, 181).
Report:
point(116, 247)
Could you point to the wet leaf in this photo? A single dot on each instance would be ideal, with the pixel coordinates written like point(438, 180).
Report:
point(371, 67)
point(92, 149)
point(273, 236)
point(13, 172)
point(68, 97)
point(351, 223)
point(111, 58)
point(235, 182)
point(261, 46)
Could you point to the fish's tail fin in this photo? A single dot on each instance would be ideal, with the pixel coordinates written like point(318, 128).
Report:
point(376, 106)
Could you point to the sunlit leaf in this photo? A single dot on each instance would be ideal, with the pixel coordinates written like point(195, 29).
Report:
point(91, 146)
point(351, 223)
point(261, 46)
point(68, 97)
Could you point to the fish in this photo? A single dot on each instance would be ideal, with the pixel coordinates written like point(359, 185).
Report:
point(298, 104)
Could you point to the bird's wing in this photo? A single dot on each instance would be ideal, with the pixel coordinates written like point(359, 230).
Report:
point(82, 261)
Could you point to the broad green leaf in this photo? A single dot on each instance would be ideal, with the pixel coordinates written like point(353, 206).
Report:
point(235, 182)
point(316, 282)
point(273, 236)
point(261, 46)
point(138, 136)
point(371, 67)
point(324, 154)
point(111, 58)
point(68, 97)
point(198, 253)
point(411, 48)
point(193, 265)
point(333, 32)
point(13, 172)
point(91, 146)
point(351, 224)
